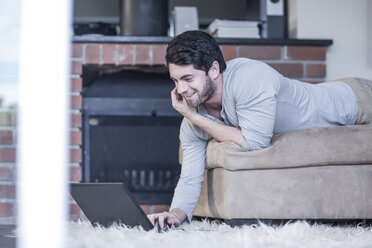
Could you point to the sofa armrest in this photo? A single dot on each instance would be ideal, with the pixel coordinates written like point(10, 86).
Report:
point(308, 147)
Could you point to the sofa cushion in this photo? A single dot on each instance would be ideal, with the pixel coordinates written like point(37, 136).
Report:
point(321, 192)
point(308, 147)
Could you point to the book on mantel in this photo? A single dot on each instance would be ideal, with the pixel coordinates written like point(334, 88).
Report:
point(234, 29)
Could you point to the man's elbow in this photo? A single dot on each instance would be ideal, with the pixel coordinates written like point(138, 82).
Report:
point(255, 145)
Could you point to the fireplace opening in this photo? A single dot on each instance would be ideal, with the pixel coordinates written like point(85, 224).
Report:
point(130, 134)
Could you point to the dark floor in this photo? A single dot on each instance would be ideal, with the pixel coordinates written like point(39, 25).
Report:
point(278, 222)
point(7, 236)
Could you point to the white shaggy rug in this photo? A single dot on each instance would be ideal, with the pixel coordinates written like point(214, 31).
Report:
point(205, 234)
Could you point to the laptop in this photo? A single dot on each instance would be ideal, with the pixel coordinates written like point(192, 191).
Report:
point(107, 203)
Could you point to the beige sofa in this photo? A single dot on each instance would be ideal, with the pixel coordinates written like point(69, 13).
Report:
point(320, 173)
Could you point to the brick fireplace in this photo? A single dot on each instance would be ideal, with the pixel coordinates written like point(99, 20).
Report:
point(304, 60)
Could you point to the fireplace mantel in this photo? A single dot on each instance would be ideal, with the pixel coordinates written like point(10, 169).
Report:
point(166, 39)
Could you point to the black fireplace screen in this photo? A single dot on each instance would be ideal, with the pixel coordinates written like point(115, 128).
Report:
point(132, 136)
point(140, 151)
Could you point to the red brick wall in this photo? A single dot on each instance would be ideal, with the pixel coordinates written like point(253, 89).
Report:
point(306, 63)
point(76, 156)
point(7, 164)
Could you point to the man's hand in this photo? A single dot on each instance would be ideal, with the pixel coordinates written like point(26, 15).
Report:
point(180, 104)
point(165, 219)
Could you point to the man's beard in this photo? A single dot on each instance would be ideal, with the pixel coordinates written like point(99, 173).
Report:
point(206, 94)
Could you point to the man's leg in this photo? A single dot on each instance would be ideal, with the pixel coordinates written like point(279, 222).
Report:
point(363, 91)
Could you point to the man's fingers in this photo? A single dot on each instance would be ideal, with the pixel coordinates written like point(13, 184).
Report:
point(161, 221)
point(175, 96)
point(174, 91)
point(170, 220)
point(152, 218)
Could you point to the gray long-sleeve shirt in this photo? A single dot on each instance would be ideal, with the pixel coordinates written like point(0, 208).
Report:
point(261, 102)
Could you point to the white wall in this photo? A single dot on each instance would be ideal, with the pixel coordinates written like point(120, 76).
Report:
point(349, 24)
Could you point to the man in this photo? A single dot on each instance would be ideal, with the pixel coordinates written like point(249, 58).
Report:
point(245, 102)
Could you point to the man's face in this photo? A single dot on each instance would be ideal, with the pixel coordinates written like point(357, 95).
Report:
point(193, 85)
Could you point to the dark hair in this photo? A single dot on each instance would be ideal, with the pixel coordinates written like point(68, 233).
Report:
point(197, 48)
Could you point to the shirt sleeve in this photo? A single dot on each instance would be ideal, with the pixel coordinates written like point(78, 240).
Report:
point(255, 94)
point(193, 144)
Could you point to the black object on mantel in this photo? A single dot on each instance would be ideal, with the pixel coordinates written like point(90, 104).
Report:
point(95, 28)
point(144, 17)
point(273, 15)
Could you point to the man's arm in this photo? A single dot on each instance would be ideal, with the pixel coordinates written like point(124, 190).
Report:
point(218, 131)
point(255, 105)
point(186, 194)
